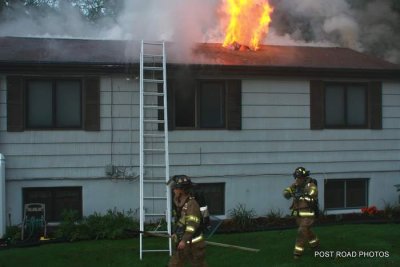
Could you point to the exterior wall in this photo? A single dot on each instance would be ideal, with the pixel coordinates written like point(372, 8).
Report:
point(255, 163)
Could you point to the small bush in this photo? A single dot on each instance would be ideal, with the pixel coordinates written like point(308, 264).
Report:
point(242, 217)
point(274, 215)
point(71, 227)
point(112, 225)
point(13, 233)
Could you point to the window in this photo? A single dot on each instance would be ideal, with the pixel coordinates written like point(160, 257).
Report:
point(346, 193)
point(344, 105)
point(53, 104)
point(50, 103)
point(204, 104)
point(56, 200)
point(214, 194)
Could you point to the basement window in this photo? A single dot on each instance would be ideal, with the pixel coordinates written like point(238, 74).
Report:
point(204, 104)
point(346, 193)
point(53, 104)
point(214, 195)
point(56, 200)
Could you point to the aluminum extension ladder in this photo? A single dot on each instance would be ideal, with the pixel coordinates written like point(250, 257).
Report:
point(155, 197)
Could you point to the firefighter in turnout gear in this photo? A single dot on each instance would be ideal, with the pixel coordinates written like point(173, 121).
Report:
point(305, 208)
point(188, 236)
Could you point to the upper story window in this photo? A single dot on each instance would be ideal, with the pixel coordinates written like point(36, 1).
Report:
point(346, 105)
point(204, 104)
point(53, 104)
point(335, 105)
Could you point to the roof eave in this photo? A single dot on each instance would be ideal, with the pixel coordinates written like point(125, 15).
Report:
point(227, 71)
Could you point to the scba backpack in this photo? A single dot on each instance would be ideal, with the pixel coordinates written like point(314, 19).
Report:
point(315, 203)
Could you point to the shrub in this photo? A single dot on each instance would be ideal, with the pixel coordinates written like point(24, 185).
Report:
point(242, 217)
point(274, 215)
point(388, 210)
point(71, 227)
point(13, 233)
point(112, 225)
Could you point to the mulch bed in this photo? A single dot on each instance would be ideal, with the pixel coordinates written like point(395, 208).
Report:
point(264, 224)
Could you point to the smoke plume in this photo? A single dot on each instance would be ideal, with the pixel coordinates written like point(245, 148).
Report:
point(369, 26)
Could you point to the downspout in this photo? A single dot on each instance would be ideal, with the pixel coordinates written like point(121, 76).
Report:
point(2, 196)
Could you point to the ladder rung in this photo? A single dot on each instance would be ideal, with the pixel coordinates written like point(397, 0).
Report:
point(153, 93)
point(154, 149)
point(154, 165)
point(154, 107)
point(154, 214)
point(150, 55)
point(153, 68)
point(158, 232)
point(156, 250)
point(154, 135)
point(153, 43)
point(154, 121)
point(153, 81)
point(155, 198)
point(154, 181)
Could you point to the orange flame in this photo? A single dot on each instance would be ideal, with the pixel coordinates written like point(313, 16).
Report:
point(248, 22)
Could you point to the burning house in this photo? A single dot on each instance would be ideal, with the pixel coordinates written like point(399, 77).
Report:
point(242, 116)
point(239, 124)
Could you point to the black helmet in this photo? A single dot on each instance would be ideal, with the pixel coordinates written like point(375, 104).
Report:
point(300, 172)
point(181, 182)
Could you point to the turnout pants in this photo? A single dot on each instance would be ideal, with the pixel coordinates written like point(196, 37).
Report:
point(193, 253)
point(305, 235)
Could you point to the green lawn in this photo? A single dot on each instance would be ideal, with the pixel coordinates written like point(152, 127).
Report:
point(276, 250)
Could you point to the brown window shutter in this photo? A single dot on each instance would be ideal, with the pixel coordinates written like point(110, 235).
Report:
point(92, 104)
point(317, 105)
point(234, 104)
point(15, 104)
point(375, 105)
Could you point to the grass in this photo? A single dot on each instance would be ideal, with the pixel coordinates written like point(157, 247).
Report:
point(276, 250)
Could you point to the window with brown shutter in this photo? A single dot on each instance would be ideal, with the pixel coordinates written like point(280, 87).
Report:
point(15, 104)
point(52, 104)
point(204, 104)
point(345, 105)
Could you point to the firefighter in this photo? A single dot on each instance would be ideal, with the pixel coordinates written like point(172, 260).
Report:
point(305, 208)
point(190, 244)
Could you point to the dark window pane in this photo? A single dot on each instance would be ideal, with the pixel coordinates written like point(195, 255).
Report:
point(334, 194)
point(212, 113)
point(334, 105)
point(39, 100)
point(185, 106)
point(214, 194)
point(356, 193)
point(56, 199)
point(68, 104)
point(356, 109)
point(66, 200)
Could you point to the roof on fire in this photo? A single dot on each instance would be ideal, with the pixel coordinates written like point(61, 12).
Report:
point(24, 50)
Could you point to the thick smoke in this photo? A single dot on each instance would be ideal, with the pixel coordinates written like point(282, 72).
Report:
point(369, 26)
